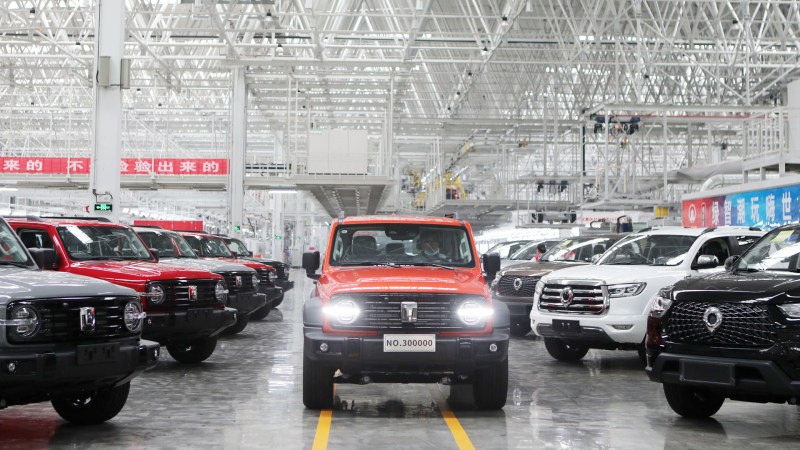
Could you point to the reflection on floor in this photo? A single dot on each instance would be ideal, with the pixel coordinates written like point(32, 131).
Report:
point(249, 395)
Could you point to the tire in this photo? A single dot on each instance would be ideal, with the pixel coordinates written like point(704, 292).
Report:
point(194, 351)
point(490, 386)
point(278, 301)
point(238, 327)
point(261, 313)
point(692, 402)
point(564, 350)
point(94, 408)
point(317, 385)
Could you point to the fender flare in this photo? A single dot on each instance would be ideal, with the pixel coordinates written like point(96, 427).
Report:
point(312, 312)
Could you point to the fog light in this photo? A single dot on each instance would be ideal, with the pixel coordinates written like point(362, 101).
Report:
point(492, 348)
point(12, 367)
point(156, 353)
point(622, 327)
point(323, 347)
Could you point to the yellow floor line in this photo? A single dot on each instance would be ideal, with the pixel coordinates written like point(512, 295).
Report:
point(323, 428)
point(462, 440)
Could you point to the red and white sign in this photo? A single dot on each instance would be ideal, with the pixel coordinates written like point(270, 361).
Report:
point(44, 165)
point(128, 166)
point(181, 225)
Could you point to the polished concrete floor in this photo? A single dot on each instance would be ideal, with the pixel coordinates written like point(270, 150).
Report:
point(248, 395)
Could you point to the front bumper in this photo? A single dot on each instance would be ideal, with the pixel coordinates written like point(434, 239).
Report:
point(247, 302)
point(364, 355)
point(620, 329)
point(285, 284)
point(28, 375)
point(186, 325)
point(748, 379)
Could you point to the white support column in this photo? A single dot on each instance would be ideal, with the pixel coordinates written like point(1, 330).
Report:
point(276, 207)
point(238, 149)
point(794, 118)
point(107, 123)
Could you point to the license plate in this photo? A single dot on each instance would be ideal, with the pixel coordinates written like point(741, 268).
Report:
point(97, 353)
point(710, 373)
point(566, 326)
point(412, 343)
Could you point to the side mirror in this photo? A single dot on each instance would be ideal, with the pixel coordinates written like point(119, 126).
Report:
point(45, 258)
point(249, 254)
point(491, 265)
point(311, 264)
point(596, 257)
point(705, 262)
point(155, 253)
point(730, 261)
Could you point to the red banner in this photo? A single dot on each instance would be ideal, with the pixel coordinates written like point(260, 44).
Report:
point(128, 166)
point(180, 225)
point(44, 165)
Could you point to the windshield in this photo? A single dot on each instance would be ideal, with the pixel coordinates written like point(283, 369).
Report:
point(578, 249)
point(11, 251)
point(238, 248)
point(88, 242)
point(649, 250)
point(401, 244)
point(528, 252)
point(506, 249)
point(169, 245)
point(779, 250)
point(209, 247)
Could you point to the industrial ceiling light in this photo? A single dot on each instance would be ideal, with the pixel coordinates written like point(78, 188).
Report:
point(504, 21)
point(485, 51)
point(279, 49)
point(469, 74)
point(32, 13)
point(269, 15)
point(458, 93)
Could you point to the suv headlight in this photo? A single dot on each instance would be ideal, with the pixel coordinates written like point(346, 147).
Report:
point(24, 321)
point(538, 290)
point(133, 315)
point(625, 290)
point(255, 281)
point(471, 312)
point(791, 310)
point(345, 311)
point(269, 276)
point(155, 293)
point(220, 292)
point(661, 304)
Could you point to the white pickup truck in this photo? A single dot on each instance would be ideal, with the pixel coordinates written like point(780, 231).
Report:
point(605, 305)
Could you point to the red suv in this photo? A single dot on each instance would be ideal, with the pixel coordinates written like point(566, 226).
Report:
point(185, 308)
point(208, 246)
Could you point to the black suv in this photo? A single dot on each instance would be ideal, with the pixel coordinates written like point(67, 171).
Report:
point(731, 335)
point(281, 269)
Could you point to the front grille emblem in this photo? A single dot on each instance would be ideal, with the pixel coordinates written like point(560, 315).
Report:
point(567, 295)
point(517, 284)
point(238, 281)
point(88, 320)
point(192, 293)
point(408, 312)
point(712, 318)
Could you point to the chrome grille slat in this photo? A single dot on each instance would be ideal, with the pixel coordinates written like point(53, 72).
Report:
point(247, 282)
point(742, 325)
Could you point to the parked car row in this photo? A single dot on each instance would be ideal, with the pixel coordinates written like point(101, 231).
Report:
point(706, 332)
point(88, 304)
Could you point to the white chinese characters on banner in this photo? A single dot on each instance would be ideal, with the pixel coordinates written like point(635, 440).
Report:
point(715, 213)
point(188, 167)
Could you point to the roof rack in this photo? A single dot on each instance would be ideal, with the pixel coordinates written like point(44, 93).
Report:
point(729, 227)
point(28, 217)
point(96, 219)
point(156, 227)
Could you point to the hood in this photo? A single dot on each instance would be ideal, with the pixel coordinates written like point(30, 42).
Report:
point(211, 265)
point(534, 269)
point(340, 280)
point(244, 262)
point(269, 262)
point(24, 284)
point(610, 274)
point(138, 272)
point(738, 286)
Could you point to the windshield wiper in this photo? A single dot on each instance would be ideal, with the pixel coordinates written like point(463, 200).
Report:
point(15, 264)
point(370, 263)
point(428, 264)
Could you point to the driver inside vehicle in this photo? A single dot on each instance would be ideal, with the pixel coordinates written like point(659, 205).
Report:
point(429, 244)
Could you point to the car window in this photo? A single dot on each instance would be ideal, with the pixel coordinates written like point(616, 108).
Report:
point(35, 238)
point(745, 242)
point(209, 247)
point(90, 242)
point(718, 247)
point(649, 249)
point(779, 250)
point(578, 249)
point(11, 252)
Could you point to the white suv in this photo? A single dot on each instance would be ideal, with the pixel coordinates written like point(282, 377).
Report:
point(605, 305)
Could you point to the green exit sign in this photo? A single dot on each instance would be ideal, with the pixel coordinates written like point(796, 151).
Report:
point(102, 207)
point(237, 228)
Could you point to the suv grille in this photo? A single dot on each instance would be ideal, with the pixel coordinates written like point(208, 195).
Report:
point(382, 311)
point(280, 271)
point(742, 325)
point(586, 299)
point(246, 282)
point(262, 275)
point(60, 319)
point(178, 292)
point(527, 285)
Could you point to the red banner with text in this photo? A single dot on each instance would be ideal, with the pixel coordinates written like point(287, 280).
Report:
point(128, 166)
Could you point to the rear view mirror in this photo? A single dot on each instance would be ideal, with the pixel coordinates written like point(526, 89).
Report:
point(491, 265)
point(705, 262)
point(311, 262)
point(45, 258)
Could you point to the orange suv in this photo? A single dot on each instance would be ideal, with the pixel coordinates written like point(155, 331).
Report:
point(403, 300)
